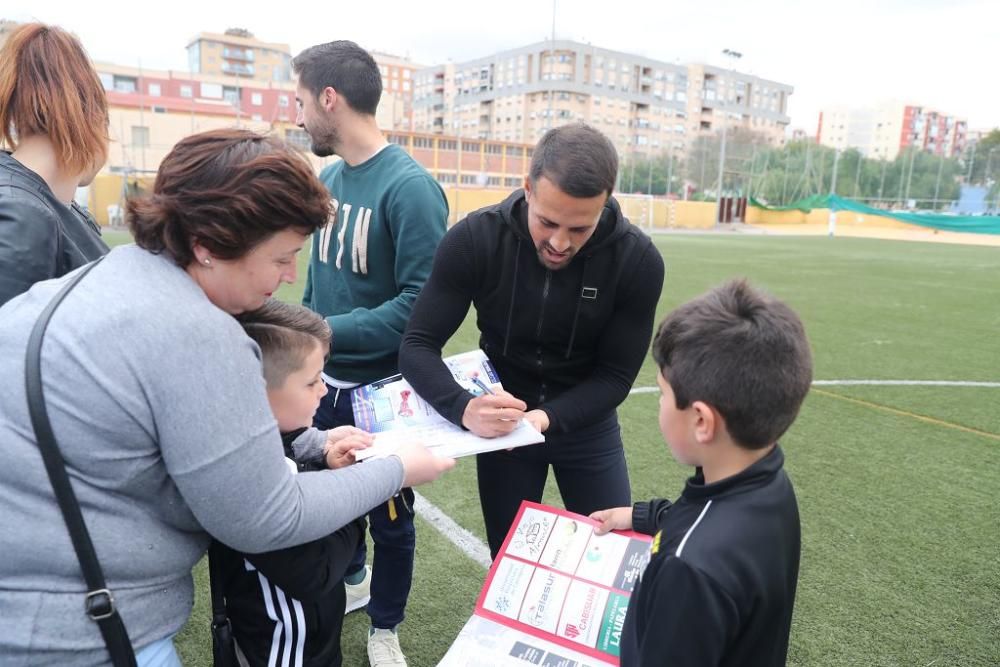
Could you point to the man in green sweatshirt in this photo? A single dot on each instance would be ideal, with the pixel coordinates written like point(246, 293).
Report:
point(367, 267)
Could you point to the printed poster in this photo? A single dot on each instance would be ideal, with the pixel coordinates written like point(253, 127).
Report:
point(556, 594)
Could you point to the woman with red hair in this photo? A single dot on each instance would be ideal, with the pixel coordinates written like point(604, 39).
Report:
point(54, 119)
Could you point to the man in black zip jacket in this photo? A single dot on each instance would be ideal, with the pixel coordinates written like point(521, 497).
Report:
point(565, 290)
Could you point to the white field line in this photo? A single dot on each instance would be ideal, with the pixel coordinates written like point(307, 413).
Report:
point(474, 548)
point(871, 383)
point(468, 543)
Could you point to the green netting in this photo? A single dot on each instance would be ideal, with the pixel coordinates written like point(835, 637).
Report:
point(804, 205)
point(978, 224)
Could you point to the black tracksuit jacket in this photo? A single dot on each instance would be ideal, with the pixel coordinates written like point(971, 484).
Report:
point(569, 341)
point(720, 585)
point(287, 606)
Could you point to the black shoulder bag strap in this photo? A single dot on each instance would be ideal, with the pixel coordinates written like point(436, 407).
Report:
point(223, 641)
point(99, 604)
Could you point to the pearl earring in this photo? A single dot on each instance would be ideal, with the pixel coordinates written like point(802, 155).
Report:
point(208, 261)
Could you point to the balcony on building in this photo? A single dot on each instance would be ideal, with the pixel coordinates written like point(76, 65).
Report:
point(237, 69)
point(646, 80)
point(237, 54)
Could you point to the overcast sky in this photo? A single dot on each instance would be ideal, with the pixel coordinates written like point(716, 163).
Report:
point(937, 53)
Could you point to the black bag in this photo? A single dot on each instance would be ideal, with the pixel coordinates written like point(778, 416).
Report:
point(223, 644)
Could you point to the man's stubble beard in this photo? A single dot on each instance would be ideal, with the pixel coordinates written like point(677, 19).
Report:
point(324, 143)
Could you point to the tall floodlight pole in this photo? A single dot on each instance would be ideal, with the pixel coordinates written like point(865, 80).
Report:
point(857, 175)
point(733, 56)
point(937, 184)
point(552, 67)
point(832, 221)
point(670, 170)
point(909, 177)
point(881, 182)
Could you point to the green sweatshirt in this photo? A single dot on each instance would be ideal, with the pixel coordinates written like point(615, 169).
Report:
point(370, 262)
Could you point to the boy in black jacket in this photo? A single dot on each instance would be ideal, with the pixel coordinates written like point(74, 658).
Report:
point(720, 584)
point(287, 606)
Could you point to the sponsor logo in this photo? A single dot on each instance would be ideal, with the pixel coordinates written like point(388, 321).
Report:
point(537, 613)
point(531, 535)
point(594, 554)
point(588, 608)
point(619, 623)
point(568, 531)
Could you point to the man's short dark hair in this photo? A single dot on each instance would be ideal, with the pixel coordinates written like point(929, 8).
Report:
point(345, 67)
point(578, 159)
point(286, 334)
point(744, 353)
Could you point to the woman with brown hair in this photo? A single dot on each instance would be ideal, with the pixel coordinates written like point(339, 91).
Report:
point(54, 116)
point(160, 409)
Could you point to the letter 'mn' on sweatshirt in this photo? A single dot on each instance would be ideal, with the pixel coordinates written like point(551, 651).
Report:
point(372, 259)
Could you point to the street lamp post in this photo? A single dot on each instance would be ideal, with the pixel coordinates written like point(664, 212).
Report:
point(831, 225)
point(937, 184)
point(734, 56)
point(552, 67)
point(987, 180)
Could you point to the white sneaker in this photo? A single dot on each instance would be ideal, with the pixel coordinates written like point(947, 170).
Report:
point(383, 649)
point(359, 595)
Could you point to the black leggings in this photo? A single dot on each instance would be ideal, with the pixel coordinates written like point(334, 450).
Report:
point(590, 470)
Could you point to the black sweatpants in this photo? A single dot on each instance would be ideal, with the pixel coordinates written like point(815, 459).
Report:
point(590, 470)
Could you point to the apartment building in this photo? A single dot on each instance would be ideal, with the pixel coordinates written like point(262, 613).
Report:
point(645, 106)
point(883, 131)
point(6, 27)
point(152, 110)
point(397, 88)
point(236, 52)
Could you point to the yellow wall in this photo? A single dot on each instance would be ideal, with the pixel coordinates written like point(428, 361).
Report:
point(109, 189)
point(666, 214)
point(691, 215)
point(821, 216)
point(464, 201)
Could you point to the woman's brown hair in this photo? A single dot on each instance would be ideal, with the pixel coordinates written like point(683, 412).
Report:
point(228, 190)
point(48, 87)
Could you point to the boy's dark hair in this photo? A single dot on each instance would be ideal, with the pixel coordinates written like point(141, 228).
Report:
point(286, 334)
point(744, 353)
point(345, 67)
point(578, 159)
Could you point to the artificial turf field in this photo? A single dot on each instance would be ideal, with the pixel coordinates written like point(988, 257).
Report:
point(896, 485)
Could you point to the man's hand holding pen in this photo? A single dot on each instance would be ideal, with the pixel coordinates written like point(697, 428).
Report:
point(493, 414)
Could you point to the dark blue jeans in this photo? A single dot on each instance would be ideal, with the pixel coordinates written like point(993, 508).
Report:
point(391, 528)
point(589, 465)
